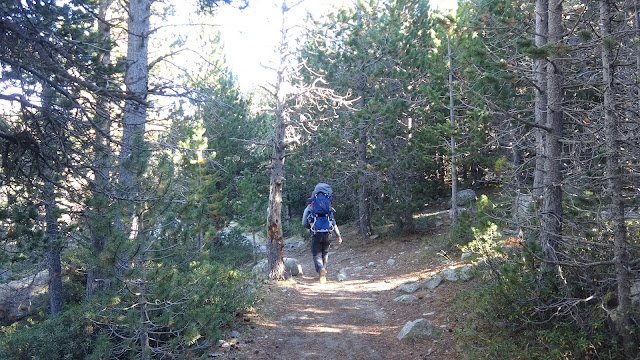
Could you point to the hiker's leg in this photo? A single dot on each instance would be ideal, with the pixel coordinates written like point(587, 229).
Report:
point(316, 252)
point(326, 243)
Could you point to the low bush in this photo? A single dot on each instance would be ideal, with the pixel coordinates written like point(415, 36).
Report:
point(231, 248)
point(182, 312)
point(525, 313)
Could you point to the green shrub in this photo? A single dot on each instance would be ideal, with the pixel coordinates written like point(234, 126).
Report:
point(69, 335)
point(187, 307)
point(476, 219)
point(231, 248)
point(520, 314)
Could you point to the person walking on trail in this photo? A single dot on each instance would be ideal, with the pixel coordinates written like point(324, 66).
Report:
point(318, 218)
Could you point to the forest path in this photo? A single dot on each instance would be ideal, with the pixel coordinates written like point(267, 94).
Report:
point(355, 318)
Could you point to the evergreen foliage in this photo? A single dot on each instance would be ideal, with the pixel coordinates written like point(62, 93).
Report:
point(375, 124)
point(206, 296)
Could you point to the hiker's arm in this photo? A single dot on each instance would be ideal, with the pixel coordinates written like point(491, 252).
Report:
point(337, 231)
point(305, 217)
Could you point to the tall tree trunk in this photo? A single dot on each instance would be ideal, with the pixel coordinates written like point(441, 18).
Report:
point(135, 109)
point(54, 247)
point(542, 17)
point(275, 248)
point(551, 227)
point(636, 25)
point(134, 117)
point(98, 212)
point(56, 301)
point(452, 114)
point(364, 219)
point(614, 180)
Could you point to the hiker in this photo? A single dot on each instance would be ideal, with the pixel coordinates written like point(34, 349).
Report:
point(318, 218)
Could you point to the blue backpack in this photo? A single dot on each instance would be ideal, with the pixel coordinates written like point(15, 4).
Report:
point(321, 213)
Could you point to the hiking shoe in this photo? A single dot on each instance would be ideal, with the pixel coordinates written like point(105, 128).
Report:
point(323, 276)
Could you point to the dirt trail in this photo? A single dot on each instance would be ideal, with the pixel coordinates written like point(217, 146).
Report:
point(355, 318)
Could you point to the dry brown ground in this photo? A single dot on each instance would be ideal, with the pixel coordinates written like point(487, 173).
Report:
point(356, 318)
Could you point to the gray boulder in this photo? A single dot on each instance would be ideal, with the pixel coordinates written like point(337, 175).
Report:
point(521, 210)
point(406, 298)
point(409, 287)
point(418, 329)
point(261, 266)
point(432, 282)
point(465, 197)
point(466, 272)
point(292, 267)
point(450, 274)
point(16, 297)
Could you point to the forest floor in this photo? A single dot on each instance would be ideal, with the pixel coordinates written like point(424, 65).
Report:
point(355, 318)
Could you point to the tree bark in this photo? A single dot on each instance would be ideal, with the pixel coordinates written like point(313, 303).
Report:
point(54, 247)
point(275, 248)
point(134, 117)
point(56, 300)
point(614, 180)
point(636, 25)
point(551, 227)
point(542, 10)
point(364, 220)
point(452, 114)
point(135, 110)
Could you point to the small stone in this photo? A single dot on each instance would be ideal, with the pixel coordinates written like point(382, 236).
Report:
point(371, 263)
point(418, 329)
point(465, 255)
point(342, 275)
point(391, 262)
point(234, 334)
point(406, 298)
point(429, 313)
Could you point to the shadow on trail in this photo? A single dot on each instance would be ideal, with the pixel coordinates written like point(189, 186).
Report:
point(336, 320)
point(357, 318)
